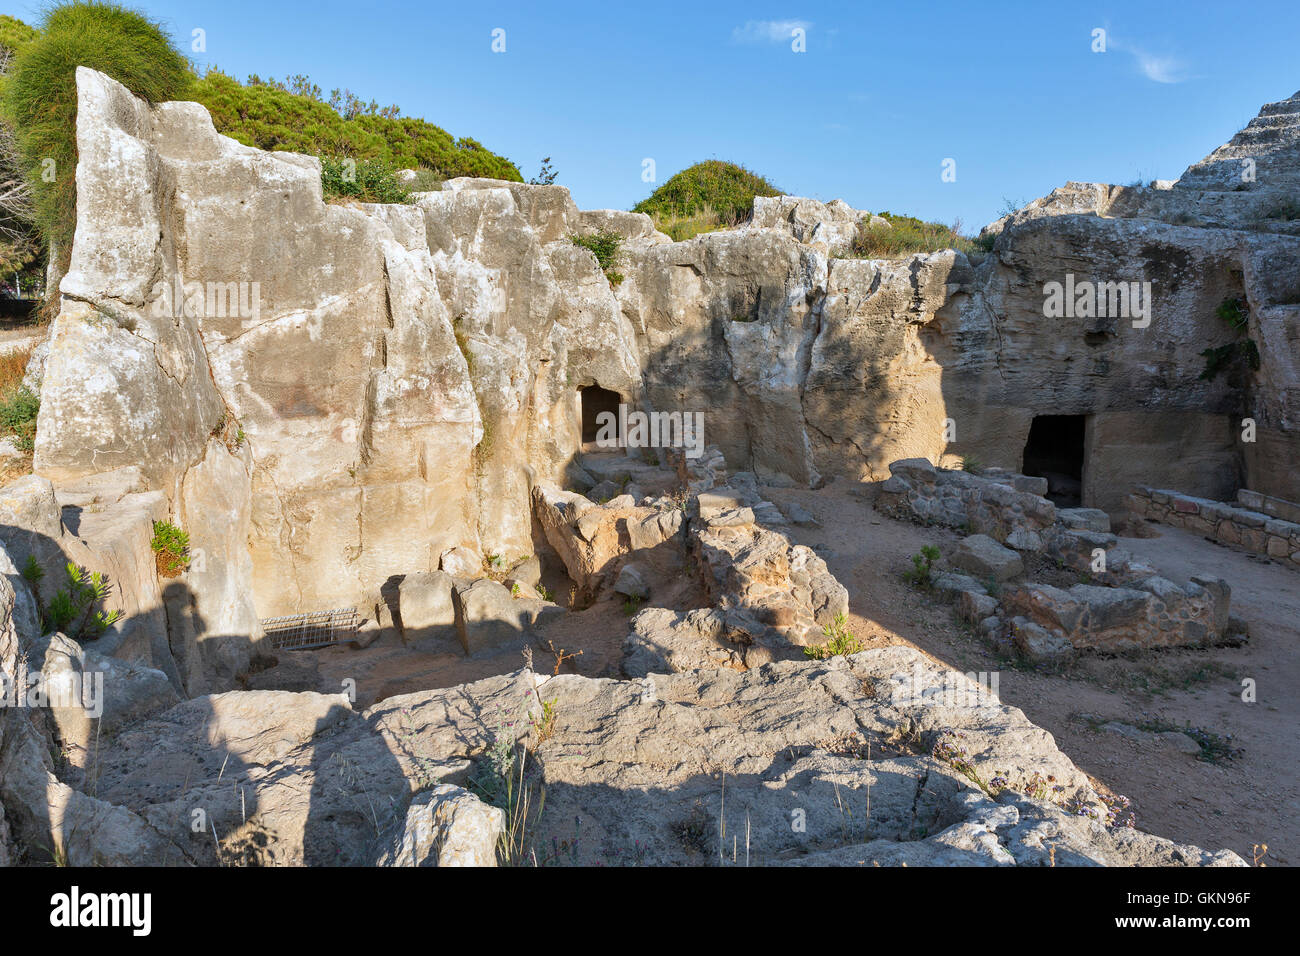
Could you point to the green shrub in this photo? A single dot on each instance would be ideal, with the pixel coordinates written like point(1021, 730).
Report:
point(840, 641)
point(904, 236)
point(40, 93)
point(14, 34)
point(171, 549)
point(604, 246)
point(922, 567)
point(1235, 311)
point(727, 190)
point(546, 175)
point(425, 181)
point(268, 115)
point(72, 610)
point(365, 180)
point(18, 412)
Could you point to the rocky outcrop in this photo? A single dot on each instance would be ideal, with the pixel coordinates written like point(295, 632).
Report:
point(423, 372)
point(42, 817)
point(664, 770)
point(1154, 613)
point(432, 369)
point(350, 404)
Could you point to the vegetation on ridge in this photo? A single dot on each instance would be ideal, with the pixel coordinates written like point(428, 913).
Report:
point(906, 235)
point(39, 96)
point(361, 144)
point(293, 116)
point(710, 195)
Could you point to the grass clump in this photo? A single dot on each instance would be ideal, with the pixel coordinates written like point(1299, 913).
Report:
point(901, 236)
point(18, 405)
point(500, 779)
point(171, 549)
point(703, 197)
point(364, 180)
point(680, 228)
point(14, 34)
point(40, 94)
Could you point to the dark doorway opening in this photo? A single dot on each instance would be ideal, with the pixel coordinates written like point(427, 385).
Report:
point(594, 401)
point(1055, 451)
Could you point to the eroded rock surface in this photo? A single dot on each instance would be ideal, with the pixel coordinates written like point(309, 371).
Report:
point(663, 770)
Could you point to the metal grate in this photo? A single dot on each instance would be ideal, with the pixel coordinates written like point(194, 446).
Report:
point(316, 629)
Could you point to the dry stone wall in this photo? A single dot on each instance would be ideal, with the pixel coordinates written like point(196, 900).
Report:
point(1225, 522)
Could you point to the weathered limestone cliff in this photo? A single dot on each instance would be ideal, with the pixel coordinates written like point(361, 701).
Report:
point(328, 395)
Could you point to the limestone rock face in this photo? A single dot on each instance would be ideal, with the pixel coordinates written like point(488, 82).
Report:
point(426, 608)
point(830, 226)
point(327, 396)
point(447, 826)
point(91, 693)
point(423, 371)
point(42, 818)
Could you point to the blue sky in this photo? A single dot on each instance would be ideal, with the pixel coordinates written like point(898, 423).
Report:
point(884, 93)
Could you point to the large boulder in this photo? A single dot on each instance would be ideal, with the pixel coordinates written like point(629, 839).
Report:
point(985, 558)
point(488, 616)
point(426, 609)
point(446, 826)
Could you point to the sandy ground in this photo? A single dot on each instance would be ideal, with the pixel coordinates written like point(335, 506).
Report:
point(1251, 798)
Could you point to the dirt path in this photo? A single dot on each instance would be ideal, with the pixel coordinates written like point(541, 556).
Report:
point(1238, 802)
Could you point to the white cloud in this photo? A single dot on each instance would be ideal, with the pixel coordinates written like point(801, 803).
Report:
point(768, 31)
point(1158, 69)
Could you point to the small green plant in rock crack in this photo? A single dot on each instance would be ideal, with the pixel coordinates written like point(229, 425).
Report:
point(948, 749)
point(840, 641)
point(171, 549)
point(605, 247)
point(500, 779)
point(632, 604)
point(1235, 311)
point(544, 726)
point(971, 464)
point(918, 575)
point(73, 610)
